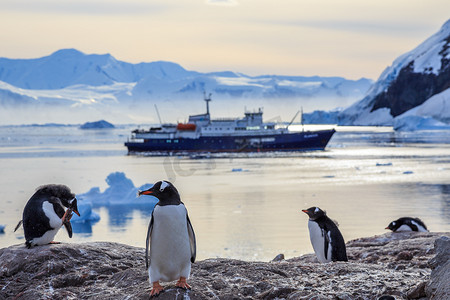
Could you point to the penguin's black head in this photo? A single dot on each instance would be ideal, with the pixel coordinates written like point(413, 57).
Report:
point(394, 225)
point(164, 191)
point(314, 212)
point(61, 192)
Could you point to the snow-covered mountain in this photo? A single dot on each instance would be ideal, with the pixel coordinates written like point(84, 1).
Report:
point(414, 79)
point(70, 86)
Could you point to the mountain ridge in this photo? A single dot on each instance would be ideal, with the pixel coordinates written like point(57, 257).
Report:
point(70, 79)
point(412, 79)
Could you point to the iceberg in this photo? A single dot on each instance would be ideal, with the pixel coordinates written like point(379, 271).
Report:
point(120, 191)
point(102, 124)
point(414, 123)
point(120, 199)
point(86, 213)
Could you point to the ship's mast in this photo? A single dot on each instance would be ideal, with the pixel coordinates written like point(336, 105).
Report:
point(207, 99)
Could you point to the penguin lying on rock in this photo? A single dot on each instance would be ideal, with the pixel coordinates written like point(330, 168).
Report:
point(325, 236)
point(407, 224)
point(170, 246)
point(44, 214)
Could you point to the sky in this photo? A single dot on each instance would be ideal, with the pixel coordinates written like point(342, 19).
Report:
point(348, 38)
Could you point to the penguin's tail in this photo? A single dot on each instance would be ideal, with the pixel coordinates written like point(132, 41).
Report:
point(18, 225)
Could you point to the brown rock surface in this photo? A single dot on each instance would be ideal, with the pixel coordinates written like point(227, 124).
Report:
point(391, 264)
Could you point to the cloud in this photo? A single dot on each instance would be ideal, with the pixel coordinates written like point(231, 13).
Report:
point(97, 7)
point(222, 2)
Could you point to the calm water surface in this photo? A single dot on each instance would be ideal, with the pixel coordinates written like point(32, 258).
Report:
point(242, 206)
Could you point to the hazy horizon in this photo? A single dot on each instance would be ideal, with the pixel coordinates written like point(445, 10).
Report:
point(351, 39)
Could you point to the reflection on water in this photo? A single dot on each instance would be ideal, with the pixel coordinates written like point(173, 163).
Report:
point(120, 216)
point(245, 206)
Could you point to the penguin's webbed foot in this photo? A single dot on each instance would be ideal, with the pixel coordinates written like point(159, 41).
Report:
point(183, 284)
point(156, 290)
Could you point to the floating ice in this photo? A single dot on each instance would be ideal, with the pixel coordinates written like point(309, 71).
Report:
point(384, 164)
point(120, 191)
point(2, 228)
point(239, 170)
point(413, 123)
point(86, 213)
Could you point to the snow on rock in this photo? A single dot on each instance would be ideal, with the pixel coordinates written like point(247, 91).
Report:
point(437, 107)
point(120, 191)
point(411, 80)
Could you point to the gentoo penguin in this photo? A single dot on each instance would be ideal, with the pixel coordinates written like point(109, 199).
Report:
point(44, 214)
point(170, 246)
point(325, 236)
point(407, 224)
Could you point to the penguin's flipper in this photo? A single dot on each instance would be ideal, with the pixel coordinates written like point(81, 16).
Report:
point(18, 225)
point(326, 240)
point(68, 228)
point(192, 242)
point(147, 244)
point(57, 206)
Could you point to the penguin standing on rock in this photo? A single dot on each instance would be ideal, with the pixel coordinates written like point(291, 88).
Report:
point(170, 246)
point(407, 224)
point(44, 214)
point(325, 236)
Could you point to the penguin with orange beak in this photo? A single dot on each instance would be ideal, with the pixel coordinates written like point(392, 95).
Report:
point(170, 246)
point(326, 239)
point(45, 213)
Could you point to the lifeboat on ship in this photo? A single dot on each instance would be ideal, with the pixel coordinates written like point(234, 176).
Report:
point(186, 127)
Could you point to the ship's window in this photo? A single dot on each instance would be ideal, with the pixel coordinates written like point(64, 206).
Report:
point(175, 141)
point(168, 141)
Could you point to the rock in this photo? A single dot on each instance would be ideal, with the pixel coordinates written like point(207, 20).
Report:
point(438, 287)
point(100, 270)
point(417, 292)
point(279, 257)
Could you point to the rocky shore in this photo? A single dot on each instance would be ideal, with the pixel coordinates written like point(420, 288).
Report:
point(402, 265)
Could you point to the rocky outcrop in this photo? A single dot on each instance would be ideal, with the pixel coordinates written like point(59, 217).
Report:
point(438, 287)
point(411, 89)
point(393, 264)
point(412, 79)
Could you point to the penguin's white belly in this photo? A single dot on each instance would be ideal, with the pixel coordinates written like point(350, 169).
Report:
point(49, 211)
point(46, 238)
point(318, 242)
point(404, 228)
point(170, 251)
point(55, 223)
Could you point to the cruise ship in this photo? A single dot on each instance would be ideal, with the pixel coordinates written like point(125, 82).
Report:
point(204, 134)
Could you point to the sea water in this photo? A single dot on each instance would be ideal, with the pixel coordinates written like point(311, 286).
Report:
point(243, 206)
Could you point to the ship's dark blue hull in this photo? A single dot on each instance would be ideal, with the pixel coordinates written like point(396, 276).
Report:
point(293, 141)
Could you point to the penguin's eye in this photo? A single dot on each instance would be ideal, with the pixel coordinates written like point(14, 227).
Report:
point(163, 186)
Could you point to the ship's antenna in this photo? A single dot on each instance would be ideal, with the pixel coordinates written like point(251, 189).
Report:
point(207, 99)
point(157, 112)
point(303, 123)
point(290, 123)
